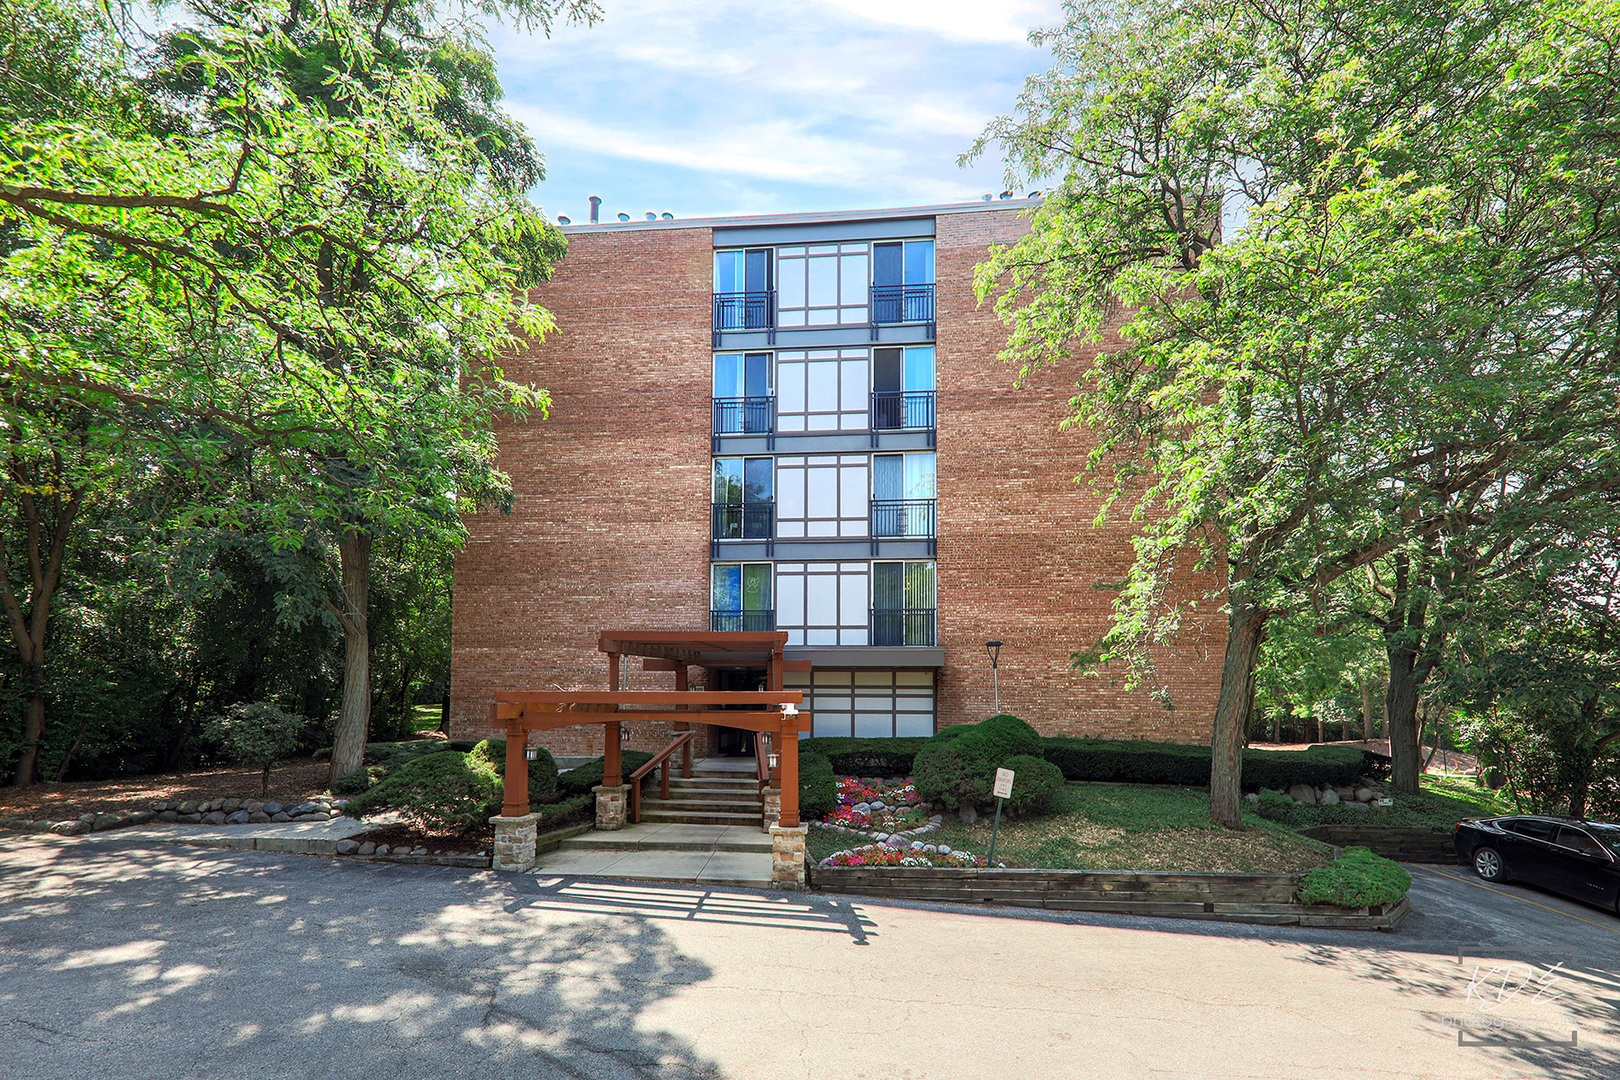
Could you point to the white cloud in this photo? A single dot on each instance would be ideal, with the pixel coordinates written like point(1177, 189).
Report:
point(966, 20)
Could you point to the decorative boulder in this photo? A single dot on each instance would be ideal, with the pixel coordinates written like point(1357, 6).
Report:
point(1303, 794)
point(1330, 798)
point(1364, 795)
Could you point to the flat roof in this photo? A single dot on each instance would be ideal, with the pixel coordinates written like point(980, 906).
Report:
point(816, 217)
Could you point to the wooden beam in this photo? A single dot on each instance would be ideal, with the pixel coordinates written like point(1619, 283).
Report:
point(635, 698)
point(649, 663)
point(744, 720)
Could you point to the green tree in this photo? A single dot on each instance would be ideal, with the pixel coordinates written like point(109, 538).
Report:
point(323, 280)
point(1412, 293)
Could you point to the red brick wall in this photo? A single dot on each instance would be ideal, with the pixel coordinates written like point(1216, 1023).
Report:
point(611, 518)
point(1019, 558)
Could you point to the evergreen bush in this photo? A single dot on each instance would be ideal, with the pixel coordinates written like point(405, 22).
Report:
point(256, 733)
point(579, 781)
point(1357, 879)
point(1138, 761)
point(818, 786)
point(542, 770)
point(447, 792)
point(866, 757)
point(1036, 783)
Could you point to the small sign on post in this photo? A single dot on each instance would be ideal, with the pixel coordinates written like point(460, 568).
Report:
point(1002, 790)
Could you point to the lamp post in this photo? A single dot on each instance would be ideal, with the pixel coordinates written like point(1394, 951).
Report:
point(993, 648)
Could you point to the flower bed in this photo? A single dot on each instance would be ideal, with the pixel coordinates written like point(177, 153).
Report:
point(884, 855)
point(869, 803)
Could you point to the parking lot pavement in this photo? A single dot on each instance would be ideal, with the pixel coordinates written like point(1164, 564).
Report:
point(126, 959)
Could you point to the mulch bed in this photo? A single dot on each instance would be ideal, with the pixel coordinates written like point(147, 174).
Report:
point(293, 781)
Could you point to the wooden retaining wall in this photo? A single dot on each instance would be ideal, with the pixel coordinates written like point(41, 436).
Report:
point(1403, 843)
point(1251, 898)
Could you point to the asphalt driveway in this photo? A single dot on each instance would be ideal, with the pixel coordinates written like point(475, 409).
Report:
point(121, 959)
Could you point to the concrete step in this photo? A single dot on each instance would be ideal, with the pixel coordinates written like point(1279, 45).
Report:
point(742, 783)
point(703, 806)
point(677, 837)
point(710, 817)
point(749, 777)
point(709, 791)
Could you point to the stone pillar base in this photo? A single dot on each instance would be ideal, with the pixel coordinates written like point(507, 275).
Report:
point(773, 808)
point(515, 842)
point(612, 806)
point(787, 856)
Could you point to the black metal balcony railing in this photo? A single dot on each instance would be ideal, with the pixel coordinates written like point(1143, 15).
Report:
point(903, 517)
point(903, 626)
point(743, 521)
point(910, 410)
point(902, 304)
point(744, 416)
point(745, 311)
point(750, 621)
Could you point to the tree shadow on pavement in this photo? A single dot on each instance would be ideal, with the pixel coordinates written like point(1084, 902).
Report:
point(140, 962)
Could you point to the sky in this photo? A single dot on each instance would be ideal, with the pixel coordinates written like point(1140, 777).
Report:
point(721, 107)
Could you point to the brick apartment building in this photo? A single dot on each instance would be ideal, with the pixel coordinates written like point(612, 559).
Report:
point(799, 423)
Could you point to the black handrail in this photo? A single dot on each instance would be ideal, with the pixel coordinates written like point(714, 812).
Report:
point(743, 520)
point(744, 415)
point(903, 626)
point(891, 304)
point(909, 410)
point(903, 517)
point(745, 311)
point(723, 621)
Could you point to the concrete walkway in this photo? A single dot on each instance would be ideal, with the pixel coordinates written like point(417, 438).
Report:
point(701, 854)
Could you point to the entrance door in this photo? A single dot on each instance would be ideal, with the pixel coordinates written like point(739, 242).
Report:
point(735, 742)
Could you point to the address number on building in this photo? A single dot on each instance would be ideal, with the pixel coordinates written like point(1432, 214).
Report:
point(1004, 779)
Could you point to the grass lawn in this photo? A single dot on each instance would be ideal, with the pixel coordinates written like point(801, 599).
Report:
point(425, 718)
point(1120, 827)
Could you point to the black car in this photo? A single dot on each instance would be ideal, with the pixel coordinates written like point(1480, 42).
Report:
point(1580, 859)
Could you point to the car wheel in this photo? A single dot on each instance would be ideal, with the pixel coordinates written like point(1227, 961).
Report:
point(1488, 865)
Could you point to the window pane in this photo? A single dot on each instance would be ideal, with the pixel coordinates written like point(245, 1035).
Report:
point(756, 587)
point(852, 495)
point(725, 593)
point(919, 476)
point(757, 479)
point(820, 600)
point(853, 589)
point(888, 585)
point(728, 271)
point(852, 277)
point(823, 290)
point(886, 264)
point(757, 378)
point(728, 480)
point(873, 725)
point(728, 376)
point(823, 391)
point(919, 369)
point(822, 500)
point(914, 725)
point(853, 398)
point(887, 476)
point(919, 262)
point(791, 291)
point(920, 585)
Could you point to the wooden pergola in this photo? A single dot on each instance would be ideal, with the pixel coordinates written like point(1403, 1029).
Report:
point(771, 711)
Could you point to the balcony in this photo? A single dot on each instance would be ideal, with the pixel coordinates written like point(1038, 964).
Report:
point(743, 521)
point(906, 518)
point(746, 311)
point(894, 304)
point(903, 626)
point(750, 621)
point(744, 415)
point(910, 410)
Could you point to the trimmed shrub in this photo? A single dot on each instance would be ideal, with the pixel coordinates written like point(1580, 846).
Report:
point(444, 792)
point(360, 780)
point(1036, 784)
point(1357, 879)
point(571, 811)
point(542, 770)
point(1137, 761)
point(579, 781)
point(1275, 806)
point(866, 757)
point(957, 767)
point(818, 786)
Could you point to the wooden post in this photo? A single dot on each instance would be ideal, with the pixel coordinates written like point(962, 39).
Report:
point(787, 758)
point(515, 784)
point(612, 771)
point(681, 684)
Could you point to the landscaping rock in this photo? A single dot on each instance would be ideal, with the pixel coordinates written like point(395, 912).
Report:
point(1252, 797)
point(418, 851)
point(169, 815)
point(383, 849)
point(215, 817)
point(282, 816)
point(259, 817)
point(944, 849)
point(1303, 794)
point(67, 828)
point(1345, 794)
point(272, 808)
point(1330, 798)
point(347, 847)
point(232, 806)
point(253, 806)
point(368, 848)
point(188, 808)
point(968, 814)
point(1357, 806)
point(141, 817)
point(191, 819)
point(103, 822)
point(1365, 795)
point(238, 817)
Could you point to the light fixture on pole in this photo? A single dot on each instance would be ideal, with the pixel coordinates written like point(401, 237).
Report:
point(993, 648)
point(531, 753)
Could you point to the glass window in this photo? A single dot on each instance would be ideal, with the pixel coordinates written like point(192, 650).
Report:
point(903, 603)
point(1576, 840)
point(737, 591)
point(743, 489)
point(1607, 835)
point(1540, 830)
point(747, 271)
point(822, 285)
point(822, 603)
point(822, 390)
point(880, 704)
point(822, 496)
point(742, 375)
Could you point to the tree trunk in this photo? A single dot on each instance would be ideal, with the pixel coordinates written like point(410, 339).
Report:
point(444, 714)
point(1366, 708)
point(1246, 631)
point(1401, 707)
point(33, 725)
point(354, 712)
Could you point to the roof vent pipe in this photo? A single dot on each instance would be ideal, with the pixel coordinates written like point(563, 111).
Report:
point(651, 216)
point(624, 217)
point(596, 205)
point(988, 198)
point(1006, 194)
point(562, 219)
point(668, 216)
